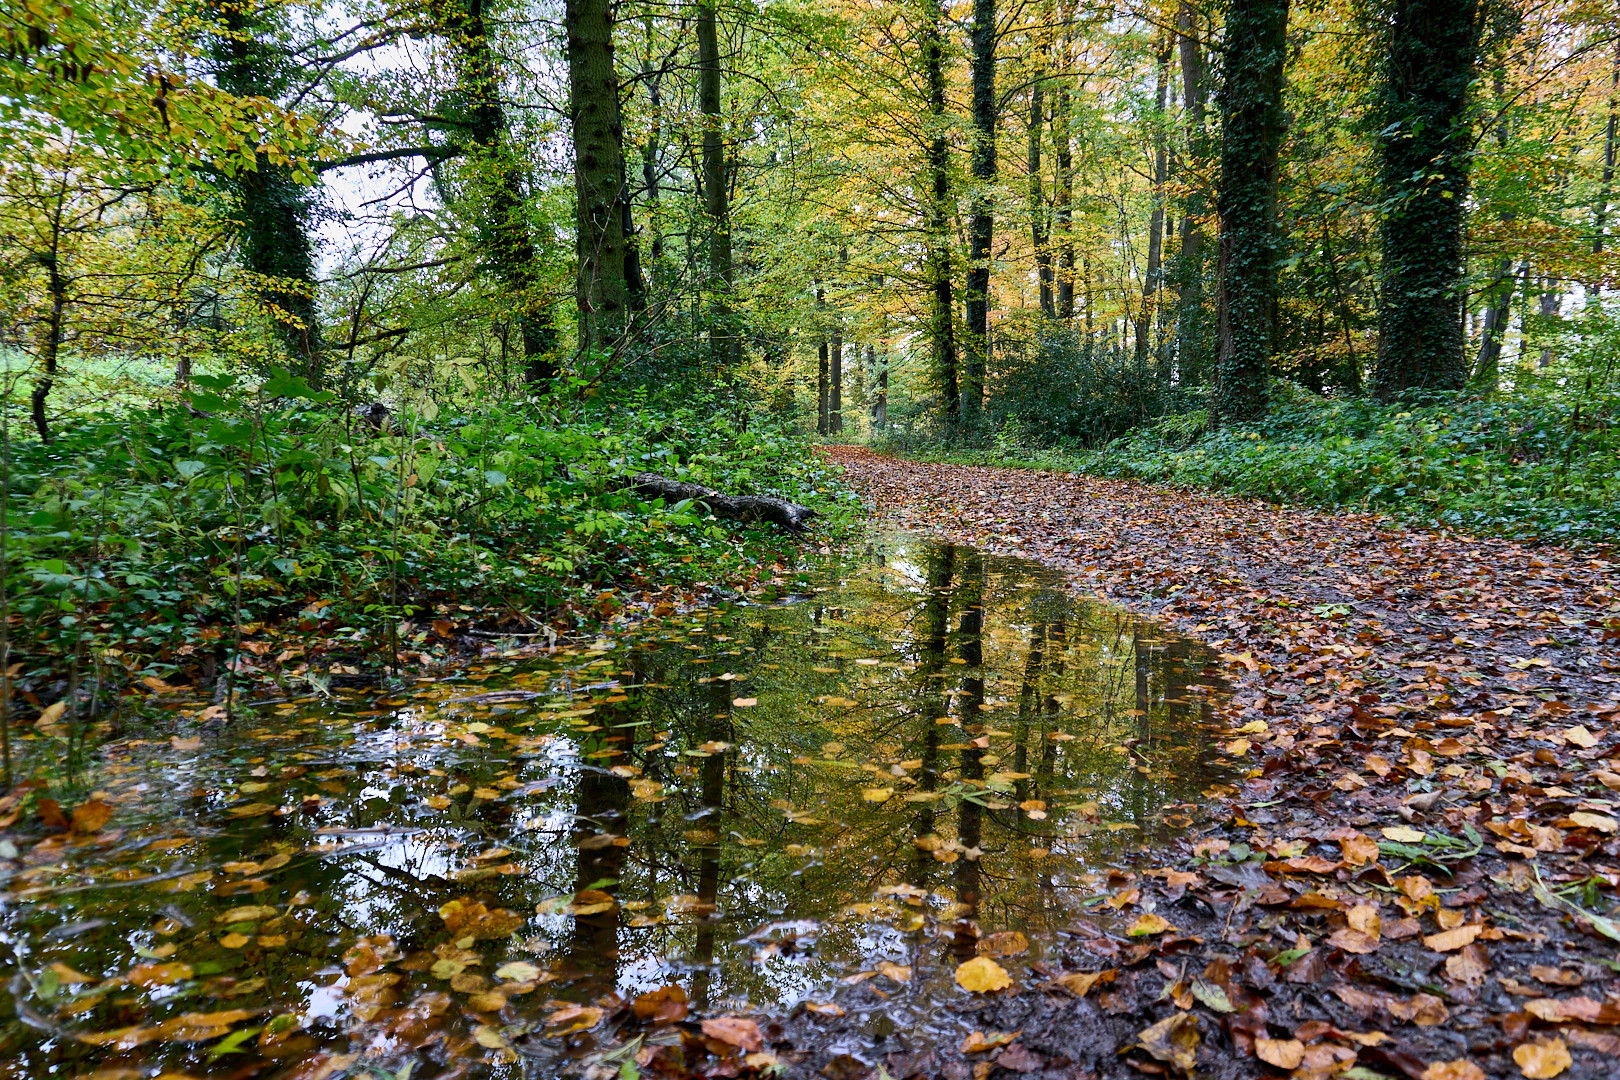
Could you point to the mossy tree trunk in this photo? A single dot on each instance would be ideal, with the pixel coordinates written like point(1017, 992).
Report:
point(600, 288)
point(942, 329)
point(981, 225)
point(1252, 122)
point(1425, 146)
point(500, 186)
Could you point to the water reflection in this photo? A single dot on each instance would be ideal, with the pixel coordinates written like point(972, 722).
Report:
point(755, 803)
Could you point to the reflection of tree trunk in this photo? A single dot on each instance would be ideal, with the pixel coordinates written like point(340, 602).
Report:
point(969, 829)
point(1029, 703)
point(1057, 639)
point(930, 693)
point(602, 803)
point(711, 814)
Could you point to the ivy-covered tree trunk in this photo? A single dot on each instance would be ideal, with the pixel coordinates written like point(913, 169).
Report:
point(1425, 146)
point(1189, 275)
point(835, 382)
point(981, 225)
point(726, 343)
point(600, 289)
point(1252, 123)
point(272, 208)
point(499, 184)
point(942, 329)
point(1153, 280)
point(1037, 200)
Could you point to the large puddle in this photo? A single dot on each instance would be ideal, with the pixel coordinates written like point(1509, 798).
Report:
point(760, 805)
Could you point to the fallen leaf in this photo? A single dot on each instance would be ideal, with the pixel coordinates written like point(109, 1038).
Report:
point(518, 971)
point(1005, 943)
point(1403, 834)
point(1148, 924)
point(1080, 983)
point(1283, 1053)
point(1461, 1069)
point(899, 973)
point(979, 1041)
point(1451, 940)
point(735, 1031)
point(470, 918)
point(981, 975)
point(1600, 822)
point(1543, 1059)
point(91, 816)
point(1173, 1040)
point(1580, 736)
point(666, 1005)
point(572, 1018)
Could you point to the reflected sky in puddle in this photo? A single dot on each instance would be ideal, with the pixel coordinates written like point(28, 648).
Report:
point(761, 804)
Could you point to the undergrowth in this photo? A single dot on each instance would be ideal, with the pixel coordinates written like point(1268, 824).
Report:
point(1533, 468)
point(255, 525)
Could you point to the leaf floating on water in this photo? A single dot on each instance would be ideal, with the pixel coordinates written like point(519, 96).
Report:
point(251, 913)
point(471, 918)
point(518, 970)
point(666, 1005)
point(877, 794)
point(1005, 943)
point(735, 1031)
point(572, 1018)
point(982, 975)
point(159, 974)
point(90, 817)
point(898, 972)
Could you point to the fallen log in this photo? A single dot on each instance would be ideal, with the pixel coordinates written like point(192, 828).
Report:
point(790, 515)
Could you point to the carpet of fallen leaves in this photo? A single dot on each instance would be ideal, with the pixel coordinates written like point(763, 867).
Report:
point(1411, 880)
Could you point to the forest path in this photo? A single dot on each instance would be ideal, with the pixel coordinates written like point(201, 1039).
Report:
point(1412, 867)
point(1293, 586)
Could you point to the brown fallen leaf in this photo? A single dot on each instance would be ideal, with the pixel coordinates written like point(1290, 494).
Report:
point(898, 972)
point(1353, 941)
point(1542, 1059)
point(981, 975)
point(1283, 1053)
point(91, 816)
point(1079, 983)
point(735, 1031)
point(1565, 1010)
point(470, 918)
point(666, 1005)
point(1173, 1040)
point(1005, 943)
point(980, 1041)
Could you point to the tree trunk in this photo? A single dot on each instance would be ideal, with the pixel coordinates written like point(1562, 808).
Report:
point(1152, 281)
point(500, 181)
point(722, 337)
point(880, 406)
point(823, 383)
point(1252, 121)
point(1190, 271)
point(943, 328)
point(1424, 150)
point(600, 289)
point(835, 382)
point(790, 515)
point(981, 225)
point(1498, 310)
point(272, 208)
point(1611, 134)
point(1037, 201)
point(55, 326)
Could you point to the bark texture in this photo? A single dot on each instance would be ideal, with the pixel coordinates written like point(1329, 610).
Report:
point(789, 515)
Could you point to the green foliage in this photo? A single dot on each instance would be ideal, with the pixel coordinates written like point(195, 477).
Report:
point(1526, 467)
point(150, 532)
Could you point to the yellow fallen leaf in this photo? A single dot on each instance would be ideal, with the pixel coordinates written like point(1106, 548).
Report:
point(1006, 943)
point(1238, 747)
point(877, 794)
point(898, 972)
point(1600, 822)
point(1080, 983)
point(1580, 736)
point(1403, 834)
point(1461, 1069)
point(1283, 1053)
point(745, 702)
point(1148, 924)
point(981, 975)
point(1542, 1060)
point(1451, 940)
point(234, 941)
point(1173, 1040)
point(520, 970)
point(979, 1041)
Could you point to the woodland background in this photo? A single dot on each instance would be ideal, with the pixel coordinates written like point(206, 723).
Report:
point(339, 315)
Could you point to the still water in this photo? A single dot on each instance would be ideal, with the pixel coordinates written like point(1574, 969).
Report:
point(762, 805)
